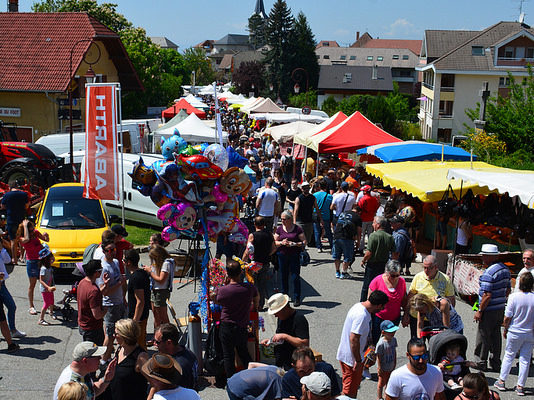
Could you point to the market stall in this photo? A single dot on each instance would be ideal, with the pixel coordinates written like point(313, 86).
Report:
point(287, 132)
point(350, 135)
point(415, 150)
point(182, 104)
point(191, 129)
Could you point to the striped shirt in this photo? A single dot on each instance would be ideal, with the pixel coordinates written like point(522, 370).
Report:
point(495, 280)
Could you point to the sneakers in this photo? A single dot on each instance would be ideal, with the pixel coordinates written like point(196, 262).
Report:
point(11, 348)
point(366, 374)
point(500, 385)
point(15, 333)
point(297, 303)
point(345, 275)
point(32, 311)
point(338, 274)
point(519, 390)
point(42, 322)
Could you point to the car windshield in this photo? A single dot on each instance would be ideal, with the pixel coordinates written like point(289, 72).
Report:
point(65, 208)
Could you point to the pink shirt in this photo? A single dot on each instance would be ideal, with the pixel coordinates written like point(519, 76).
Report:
point(33, 247)
point(393, 307)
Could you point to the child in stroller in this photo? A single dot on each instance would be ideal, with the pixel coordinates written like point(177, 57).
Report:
point(442, 354)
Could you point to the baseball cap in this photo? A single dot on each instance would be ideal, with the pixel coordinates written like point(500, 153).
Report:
point(44, 252)
point(119, 230)
point(86, 350)
point(366, 188)
point(344, 185)
point(318, 383)
point(388, 326)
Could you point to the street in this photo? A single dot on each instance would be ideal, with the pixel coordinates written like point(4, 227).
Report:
point(31, 372)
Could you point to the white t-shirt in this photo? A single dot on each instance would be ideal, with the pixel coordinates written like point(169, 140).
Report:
point(166, 267)
point(406, 385)
point(68, 375)
point(357, 321)
point(339, 199)
point(179, 393)
point(520, 308)
point(268, 198)
point(524, 270)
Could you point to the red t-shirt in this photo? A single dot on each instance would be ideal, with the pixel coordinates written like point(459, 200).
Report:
point(88, 296)
point(121, 245)
point(369, 204)
point(33, 247)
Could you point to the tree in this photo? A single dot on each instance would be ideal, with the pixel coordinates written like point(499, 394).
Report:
point(195, 60)
point(380, 112)
point(256, 29)
point(249, 73)
point(278, 57)
point(303, 50)
point(304, 99)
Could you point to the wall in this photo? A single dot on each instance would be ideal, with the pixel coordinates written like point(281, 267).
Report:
point(39, 110)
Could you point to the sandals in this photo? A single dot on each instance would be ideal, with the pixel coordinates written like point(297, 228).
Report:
point(42, 322)
point(32, 311)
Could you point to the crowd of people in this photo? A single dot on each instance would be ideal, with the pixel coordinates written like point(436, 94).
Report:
point(328, 207)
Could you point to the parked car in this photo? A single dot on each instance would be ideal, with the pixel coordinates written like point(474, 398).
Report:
point(72, 222)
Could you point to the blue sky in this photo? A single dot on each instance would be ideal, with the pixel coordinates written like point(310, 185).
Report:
point(189, 22)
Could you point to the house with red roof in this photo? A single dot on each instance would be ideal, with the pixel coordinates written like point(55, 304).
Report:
point(43, 56)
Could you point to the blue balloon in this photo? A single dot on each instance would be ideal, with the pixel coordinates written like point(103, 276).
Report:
point(234, 159)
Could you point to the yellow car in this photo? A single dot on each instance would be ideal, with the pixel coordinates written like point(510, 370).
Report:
point(71, 221)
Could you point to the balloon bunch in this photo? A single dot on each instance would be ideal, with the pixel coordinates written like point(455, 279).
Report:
point(194, 182)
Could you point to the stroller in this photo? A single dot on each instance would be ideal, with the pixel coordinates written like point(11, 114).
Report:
point(66, 311)
point(437, 346)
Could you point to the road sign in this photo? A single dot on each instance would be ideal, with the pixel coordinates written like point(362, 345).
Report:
point(306, 110)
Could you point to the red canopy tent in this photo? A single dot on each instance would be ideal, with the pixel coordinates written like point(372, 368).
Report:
point(352, 134)
point(179, 105)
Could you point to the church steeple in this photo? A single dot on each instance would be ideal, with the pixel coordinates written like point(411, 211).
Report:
point(260, 9)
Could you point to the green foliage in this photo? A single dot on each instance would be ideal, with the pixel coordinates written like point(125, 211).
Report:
point(256, 29)
point(400, 105)
point(303, 52)
point(521, 159)
point(249, 73)
point(195, 59)
point(299, 100)
point(330, 106)
point(407, 130)
point(379, 111)
point(139, 234)
point(106, 13)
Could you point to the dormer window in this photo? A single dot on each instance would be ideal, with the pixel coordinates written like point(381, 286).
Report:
point(395, 56)
point(508, 52)
point(379, 58)
point(342, 57)
point(347, 78)
point(369, 58)
point(353, 57)
point(477, 50)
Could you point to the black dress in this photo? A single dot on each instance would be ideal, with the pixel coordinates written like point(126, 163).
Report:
point(128, 384)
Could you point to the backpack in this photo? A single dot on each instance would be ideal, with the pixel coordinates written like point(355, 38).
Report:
point(347, 226)
point(89, 252)
point(410, 250)
point(213, 356)
point(288, 162)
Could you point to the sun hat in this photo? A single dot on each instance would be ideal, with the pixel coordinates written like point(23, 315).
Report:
point(86, 350)
point(388, 326)
point(163, 368)
point(318, 383)
point(44, 252)
point(277, 302)
point(488, 248)
point(305, 184)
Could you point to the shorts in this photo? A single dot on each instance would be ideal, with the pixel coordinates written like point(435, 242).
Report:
point(12, 231)
point(442, 227)
point(343, 247)
point(94, 335)
point(32, 268)
point(159, 297)
point(114, 313)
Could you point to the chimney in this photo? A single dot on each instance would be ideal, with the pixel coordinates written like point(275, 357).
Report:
point(13, 5)
point(357, 35)
point(374, 76)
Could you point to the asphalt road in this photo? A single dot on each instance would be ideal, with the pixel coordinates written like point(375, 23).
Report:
point(31, 372)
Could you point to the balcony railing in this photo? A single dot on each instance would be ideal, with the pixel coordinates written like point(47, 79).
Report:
point(428, 86)
point(445, 116)
point(447, 88)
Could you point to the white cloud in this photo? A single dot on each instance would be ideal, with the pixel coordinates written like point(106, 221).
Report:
point(401, 27)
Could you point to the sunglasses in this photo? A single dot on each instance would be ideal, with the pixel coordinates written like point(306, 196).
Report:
point(471, 397)
point(423, 357)
point(394, 275)
point(109, 250)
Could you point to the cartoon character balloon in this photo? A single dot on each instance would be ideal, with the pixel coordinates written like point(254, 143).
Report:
point(217, 155)
point(180, 216)
point(174, 144)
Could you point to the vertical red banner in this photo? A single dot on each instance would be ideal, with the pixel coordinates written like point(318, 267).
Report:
point(101, 150)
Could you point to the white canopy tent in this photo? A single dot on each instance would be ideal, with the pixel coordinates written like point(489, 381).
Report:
point(195, 101)
point(514, 182)
point(239, 99)
point(265, 106)
point(287, 117)
point(192, 129)
point(250, 103)
point(286, 132)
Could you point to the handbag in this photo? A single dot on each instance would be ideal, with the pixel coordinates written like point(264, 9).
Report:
point(304, 257)
point(369, 356)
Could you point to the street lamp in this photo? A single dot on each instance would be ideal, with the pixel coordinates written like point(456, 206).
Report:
point(90, 76)
point(296, 75)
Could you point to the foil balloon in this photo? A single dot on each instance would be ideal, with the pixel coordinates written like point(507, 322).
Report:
point(217, 155)
point(198, 167)
point(174, 144)
point(180, 216)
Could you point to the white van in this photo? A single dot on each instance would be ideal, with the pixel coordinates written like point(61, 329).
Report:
point(137, 207)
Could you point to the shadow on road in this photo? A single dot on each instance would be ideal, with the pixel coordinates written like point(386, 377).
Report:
point(36, 340)
point(31, 353)
point(321, 304)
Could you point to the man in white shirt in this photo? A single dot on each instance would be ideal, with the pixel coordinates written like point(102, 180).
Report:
point(528, 261)
point(268, 204)
point(417, 379)
point(354, 340)
point(342, 201)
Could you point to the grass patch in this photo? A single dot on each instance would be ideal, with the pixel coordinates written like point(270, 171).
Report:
point(140, 234)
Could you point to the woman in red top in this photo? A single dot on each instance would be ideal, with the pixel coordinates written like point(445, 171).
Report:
point(30, 238)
